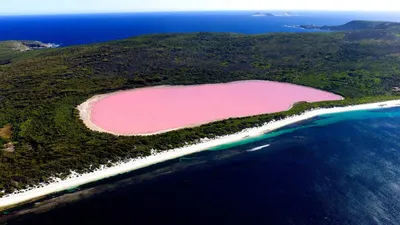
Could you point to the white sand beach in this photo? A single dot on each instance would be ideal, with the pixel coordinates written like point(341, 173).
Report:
point(76, 180)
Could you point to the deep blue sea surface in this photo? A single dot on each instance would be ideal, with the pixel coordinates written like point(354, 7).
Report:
point(334, 169)
point(83, 29)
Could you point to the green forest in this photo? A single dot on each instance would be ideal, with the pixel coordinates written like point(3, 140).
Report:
point(41, 134)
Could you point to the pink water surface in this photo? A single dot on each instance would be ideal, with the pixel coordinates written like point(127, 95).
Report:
point(156, 109)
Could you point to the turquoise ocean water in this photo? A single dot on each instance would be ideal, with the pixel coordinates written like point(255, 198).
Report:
point(334, 169)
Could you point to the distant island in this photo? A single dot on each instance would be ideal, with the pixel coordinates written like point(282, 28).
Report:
point(274, 14)
point(353, 25)
point(263, 14)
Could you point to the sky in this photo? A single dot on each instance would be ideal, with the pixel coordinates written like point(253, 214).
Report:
point(27, 7)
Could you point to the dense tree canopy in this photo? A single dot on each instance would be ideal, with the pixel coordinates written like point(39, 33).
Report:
point(40, 89)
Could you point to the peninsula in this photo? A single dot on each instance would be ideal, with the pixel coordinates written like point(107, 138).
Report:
point(23, 46)
point(46, 147)
point(8, 49)
point(355, 25)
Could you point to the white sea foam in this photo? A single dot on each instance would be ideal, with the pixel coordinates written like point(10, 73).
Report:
point(258, 148)
point(52, 45)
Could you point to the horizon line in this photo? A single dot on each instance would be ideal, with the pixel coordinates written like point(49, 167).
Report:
point(200, 10)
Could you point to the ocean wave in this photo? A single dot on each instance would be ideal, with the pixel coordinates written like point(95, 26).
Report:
point(293, 26)
point(52, 45)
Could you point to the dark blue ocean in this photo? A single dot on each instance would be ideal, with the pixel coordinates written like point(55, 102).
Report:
point(83, 29)
point(334, 169)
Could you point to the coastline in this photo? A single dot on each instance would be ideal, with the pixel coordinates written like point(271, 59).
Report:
point(76, 180)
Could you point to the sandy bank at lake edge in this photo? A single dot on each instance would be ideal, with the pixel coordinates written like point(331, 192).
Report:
point(76, 180)
point(85, 111)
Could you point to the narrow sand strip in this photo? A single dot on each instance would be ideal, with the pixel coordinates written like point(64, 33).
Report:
point(124, 167)
point(85, 110)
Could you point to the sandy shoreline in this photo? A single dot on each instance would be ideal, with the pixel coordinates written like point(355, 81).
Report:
point(85, 110)
point(76, 180)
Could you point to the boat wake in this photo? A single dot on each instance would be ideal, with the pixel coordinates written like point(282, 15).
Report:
point(258, 148)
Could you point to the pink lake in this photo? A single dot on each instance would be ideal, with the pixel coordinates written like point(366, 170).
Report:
point(159, 109)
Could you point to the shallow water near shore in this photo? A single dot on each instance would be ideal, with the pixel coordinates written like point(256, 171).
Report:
point(321, 120)
point(333, 169)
